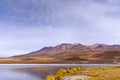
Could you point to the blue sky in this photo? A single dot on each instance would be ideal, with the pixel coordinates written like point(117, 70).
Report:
point(28, 25)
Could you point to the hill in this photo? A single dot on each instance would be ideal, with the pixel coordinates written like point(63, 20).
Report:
point(70, 53)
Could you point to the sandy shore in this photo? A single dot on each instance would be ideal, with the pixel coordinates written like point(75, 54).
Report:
point(75, 77)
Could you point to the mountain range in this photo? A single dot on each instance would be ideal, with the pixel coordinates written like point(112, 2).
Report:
point(71, 53)
point(75, 47)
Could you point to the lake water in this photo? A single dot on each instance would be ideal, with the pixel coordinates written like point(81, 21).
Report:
point(36, 71)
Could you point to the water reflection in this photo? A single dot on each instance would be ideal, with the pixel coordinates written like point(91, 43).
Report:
point(39, 72)
point(8, 74)
point(36, 72)
point(42, 71)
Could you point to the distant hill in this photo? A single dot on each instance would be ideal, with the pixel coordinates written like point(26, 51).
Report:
point(76, 47)
point(71, 53)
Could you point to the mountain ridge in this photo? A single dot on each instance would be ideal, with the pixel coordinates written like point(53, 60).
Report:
point(75, 53)
point(67, 47)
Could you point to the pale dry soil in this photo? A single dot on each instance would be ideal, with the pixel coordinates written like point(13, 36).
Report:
point(75, 77)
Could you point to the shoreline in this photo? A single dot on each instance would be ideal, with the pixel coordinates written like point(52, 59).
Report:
point(94, 73)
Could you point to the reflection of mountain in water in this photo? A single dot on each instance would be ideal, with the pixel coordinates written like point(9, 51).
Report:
point(39, 72)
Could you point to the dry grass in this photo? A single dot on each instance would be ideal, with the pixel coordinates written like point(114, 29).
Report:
point(99, 73)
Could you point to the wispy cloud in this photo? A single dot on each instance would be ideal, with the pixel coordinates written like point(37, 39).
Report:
point(28, 25)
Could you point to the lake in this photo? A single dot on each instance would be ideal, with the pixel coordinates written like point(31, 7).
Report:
point(36, 71)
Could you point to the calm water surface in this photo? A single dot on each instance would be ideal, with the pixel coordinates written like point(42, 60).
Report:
point(36, 71)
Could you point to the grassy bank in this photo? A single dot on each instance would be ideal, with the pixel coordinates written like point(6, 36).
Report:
point(98, 73)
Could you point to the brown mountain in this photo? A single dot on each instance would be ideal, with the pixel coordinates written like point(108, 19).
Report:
point(71, 53)
point(49, 51)
point(76, 47)
point(103, 47)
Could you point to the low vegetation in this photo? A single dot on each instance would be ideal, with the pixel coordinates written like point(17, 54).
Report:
point(97, 73)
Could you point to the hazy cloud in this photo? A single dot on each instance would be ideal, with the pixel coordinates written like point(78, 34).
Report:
point(28, 25)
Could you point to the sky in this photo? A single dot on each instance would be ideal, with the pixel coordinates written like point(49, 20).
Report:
point(29, 25)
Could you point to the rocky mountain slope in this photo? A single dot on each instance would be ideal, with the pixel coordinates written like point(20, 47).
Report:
point(70, 53)
point(68, 48)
